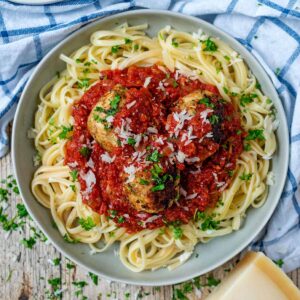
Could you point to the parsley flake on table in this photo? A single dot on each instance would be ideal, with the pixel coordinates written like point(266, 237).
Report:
point(94, 278)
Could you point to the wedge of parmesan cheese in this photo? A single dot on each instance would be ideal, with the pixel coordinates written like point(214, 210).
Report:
point(256, 277)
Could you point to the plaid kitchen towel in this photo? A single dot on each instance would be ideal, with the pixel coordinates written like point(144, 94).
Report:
point(269, 29)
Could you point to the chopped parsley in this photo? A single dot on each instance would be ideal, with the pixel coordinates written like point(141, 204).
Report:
point(154, 156)
point(64, 134)
point(158, 187)
point(115, 102)
point(211, 281)
point(254, 134)
point(87, 224)
point(245, 176)
point(115, 49)
point(214, 119)
point(230, 173)
point(94, 278)
point(257, 85)
point(3, 194)
point(144, 182)
point(247, 147)
point(70, 266)
point(121, 219)
point(21, 209)
point(225, 89)
point(28, 243)
point(158, 178)
point(131, 141)
point(207, 102)
point(56, 261)
point(80, 285)
point(277, 71)
point(227, 58)
point(210, 46)
point(175, 84)
point(127, 41)
point(78, 60)
point(208, 223)
point(83, 83)
point(177, 232)
point(279, 262)
point(74, 175)
point(112, 213)
point(68, 239)
point(85, 151)
point(175, 43)
point(247, 98)
point(269, 101)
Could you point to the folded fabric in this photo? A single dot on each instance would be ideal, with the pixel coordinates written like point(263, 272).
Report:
point(269, 29)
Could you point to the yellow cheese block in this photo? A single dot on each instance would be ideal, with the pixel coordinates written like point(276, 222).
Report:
point(256, 277)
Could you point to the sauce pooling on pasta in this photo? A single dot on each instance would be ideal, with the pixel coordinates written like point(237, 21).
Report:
point(151, 147)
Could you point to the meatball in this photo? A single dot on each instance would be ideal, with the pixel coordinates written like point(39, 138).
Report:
point(196, 126)
point(101, 117)
point(145, 194)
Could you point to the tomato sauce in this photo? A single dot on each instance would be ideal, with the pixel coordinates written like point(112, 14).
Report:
point(204, 153)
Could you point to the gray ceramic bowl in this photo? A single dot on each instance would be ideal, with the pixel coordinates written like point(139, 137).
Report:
point(212, 254)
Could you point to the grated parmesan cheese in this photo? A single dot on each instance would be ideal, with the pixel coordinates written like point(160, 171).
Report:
point(129, 105)
point(192, 160)
point(152, 130)
point(147, 81)
point(204, 115)
point(270, 178)
point(183, 192)
point(90, 180)
point(180, 156)
point(192, 196)
point(106, 158)
point(130, 170)
point(73, 164)
point(161, 86)
point(180, 118)
point(110, 119)
point(90, 163)
point(160, 140)
point(31, 133)
point(185, 256)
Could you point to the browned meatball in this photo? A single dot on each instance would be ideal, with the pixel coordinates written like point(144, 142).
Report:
point(101, 116)
point(146, 194)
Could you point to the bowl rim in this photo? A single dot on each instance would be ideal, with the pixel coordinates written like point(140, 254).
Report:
point(283, 123)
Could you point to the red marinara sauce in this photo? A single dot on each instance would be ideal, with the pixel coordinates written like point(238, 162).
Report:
point(203, 147)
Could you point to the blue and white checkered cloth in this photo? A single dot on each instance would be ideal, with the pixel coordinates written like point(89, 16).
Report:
point(269, 29)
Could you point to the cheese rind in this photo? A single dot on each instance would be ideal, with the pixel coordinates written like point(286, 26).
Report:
point(256, 277)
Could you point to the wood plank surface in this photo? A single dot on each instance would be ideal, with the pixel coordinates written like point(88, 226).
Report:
point(24, 273)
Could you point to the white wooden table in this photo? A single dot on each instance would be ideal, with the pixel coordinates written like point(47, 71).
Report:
point(24, 273)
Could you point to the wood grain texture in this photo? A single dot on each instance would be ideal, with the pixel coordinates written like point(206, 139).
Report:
point(24, 273)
